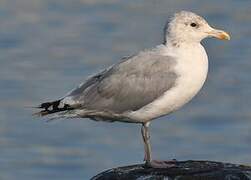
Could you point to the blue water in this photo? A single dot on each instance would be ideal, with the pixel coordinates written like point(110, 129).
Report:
point(47, 47)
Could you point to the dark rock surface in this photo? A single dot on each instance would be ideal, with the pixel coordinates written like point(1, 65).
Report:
point(184, 170)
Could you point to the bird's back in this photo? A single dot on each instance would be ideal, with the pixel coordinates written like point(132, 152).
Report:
point(127, 86)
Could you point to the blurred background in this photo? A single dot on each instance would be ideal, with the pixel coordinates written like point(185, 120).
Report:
point(47, 47)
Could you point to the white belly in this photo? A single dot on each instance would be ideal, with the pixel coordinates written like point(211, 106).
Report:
point(192, 68)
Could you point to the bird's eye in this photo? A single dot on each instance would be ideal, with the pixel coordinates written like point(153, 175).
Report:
point(193, 24)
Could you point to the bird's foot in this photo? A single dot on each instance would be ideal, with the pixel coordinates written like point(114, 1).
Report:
point(161, 164)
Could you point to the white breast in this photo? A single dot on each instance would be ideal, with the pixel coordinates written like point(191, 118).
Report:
point(192, 68)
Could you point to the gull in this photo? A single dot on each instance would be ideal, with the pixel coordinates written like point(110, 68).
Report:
point(145, 86)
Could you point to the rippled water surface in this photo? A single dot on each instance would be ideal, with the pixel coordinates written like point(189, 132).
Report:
point(47, 47)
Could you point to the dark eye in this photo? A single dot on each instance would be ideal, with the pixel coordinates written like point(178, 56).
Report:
point(193, 24)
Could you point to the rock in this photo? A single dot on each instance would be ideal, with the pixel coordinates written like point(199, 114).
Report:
point(185, 170)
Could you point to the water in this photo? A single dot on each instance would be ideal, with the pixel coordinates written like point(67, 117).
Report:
point(47, 47)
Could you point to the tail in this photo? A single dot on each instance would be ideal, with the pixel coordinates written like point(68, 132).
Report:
point(52, 107)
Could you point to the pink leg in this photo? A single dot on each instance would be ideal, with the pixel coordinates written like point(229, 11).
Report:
point(146, 139)
point(147, 158)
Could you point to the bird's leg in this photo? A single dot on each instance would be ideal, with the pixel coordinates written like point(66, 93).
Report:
point(148, 158)
point(146, 138)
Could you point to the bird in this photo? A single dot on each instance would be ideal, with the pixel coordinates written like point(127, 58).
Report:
point(145, 86)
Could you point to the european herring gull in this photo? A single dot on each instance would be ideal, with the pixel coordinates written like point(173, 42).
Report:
point(148, 85)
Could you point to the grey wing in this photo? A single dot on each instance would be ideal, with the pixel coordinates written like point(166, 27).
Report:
point(129, 85)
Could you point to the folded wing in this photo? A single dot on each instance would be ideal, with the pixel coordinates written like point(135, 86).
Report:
point(127, 86)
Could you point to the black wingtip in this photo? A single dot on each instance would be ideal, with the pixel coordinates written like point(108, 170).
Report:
point(51, 107)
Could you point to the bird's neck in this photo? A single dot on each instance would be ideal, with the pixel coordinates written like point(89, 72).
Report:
point(179, 43)
point(185, 49)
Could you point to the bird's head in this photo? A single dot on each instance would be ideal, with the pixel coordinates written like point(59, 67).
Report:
point(189, 27)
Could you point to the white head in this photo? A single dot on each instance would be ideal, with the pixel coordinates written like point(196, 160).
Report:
point(188, 27)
